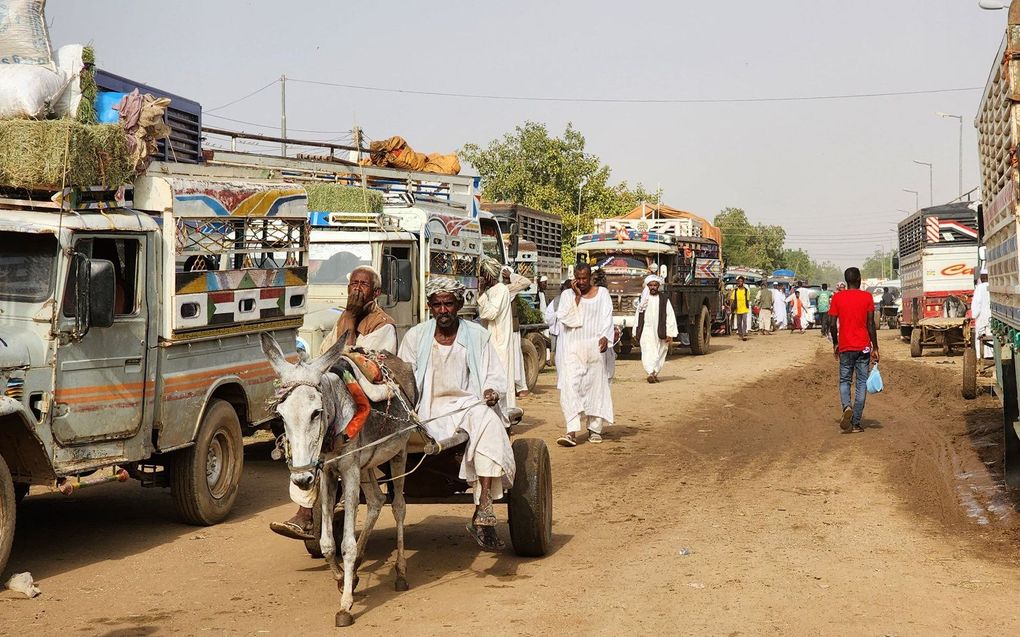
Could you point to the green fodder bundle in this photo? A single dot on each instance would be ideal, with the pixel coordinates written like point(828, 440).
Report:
point(48, 153)
point(337, 198)
point(87, 106)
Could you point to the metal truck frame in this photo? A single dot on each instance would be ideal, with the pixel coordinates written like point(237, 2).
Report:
point(129, 331)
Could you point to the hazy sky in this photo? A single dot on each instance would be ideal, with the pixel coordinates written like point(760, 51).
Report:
point(831, 172)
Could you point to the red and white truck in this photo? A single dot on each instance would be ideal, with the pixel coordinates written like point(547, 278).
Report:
point(937, 258)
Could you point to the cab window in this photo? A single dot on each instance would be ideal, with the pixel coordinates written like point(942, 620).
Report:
point(123, 253)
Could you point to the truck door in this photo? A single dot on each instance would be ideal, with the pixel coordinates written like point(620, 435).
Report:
point(100, 379)
point(399, 279)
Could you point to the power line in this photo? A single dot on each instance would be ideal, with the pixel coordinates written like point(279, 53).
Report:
point(241, 99)
point(273, 127)
point(621, 100)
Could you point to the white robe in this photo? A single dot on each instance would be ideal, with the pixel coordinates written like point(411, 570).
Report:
point(555, 331)
point(446, 389)
point(494, 312)
point(583, 377)
point(653, 348)
point(981, 310)
point(779, 308)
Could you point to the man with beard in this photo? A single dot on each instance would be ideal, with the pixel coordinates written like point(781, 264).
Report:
point(585, 316)
point(656, 328)
point(367, 326)
point(460, 378)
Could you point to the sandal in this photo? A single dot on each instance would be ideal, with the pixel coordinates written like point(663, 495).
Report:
point(566, 441)
point(594, 437)
point(486, 537)
point(293, 530)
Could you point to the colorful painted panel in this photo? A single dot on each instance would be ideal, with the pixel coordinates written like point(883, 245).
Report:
point(218, 280)
point(226, 199)
point(235, 297)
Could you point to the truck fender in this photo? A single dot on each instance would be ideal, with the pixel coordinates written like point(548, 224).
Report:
point(20, 446)
point(228, 388)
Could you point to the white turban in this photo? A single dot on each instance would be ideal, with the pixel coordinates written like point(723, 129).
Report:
point(491, 267)
point(444, 285)
point(653, 277)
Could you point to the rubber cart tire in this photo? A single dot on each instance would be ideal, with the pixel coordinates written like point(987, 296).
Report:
point(532, 366)
point(969, 373)
point(8, 509)
point(540, 346)
point(701, 332)
point(530, 499)
point(915, 342)
point(205, 477)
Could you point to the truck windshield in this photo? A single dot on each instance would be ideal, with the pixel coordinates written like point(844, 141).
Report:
point(26, 266)
point(623, 263)
point(492, 240)
point(332, 263)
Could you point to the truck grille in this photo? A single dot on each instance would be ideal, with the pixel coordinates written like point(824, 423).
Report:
point(624, 303)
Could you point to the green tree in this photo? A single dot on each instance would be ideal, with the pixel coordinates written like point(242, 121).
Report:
point(754, 246)
point(532, 167)
point(879, 265)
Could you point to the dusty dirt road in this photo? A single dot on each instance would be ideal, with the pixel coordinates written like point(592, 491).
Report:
point(724, 502)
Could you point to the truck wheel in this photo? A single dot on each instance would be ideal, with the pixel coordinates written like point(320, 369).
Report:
point(626, 349)
point(530, 500)
point(8, 507)
point(969, 373)
point(905, 331)
point(701, 332)
point(540, 346)
point(205, 476)
point(20, 491)
point(532, 366)
point(915, 342)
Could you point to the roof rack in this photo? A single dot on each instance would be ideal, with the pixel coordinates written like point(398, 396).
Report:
point(67, 198)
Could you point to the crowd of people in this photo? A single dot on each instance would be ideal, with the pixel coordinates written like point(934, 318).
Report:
point(468, 375)
point(778, 306)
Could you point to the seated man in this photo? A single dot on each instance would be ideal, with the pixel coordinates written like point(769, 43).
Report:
point(369, 327)
point(457, 371)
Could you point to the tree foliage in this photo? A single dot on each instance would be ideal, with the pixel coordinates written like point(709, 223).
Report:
point(554, 174)
point(753, 246)
point(879, 265)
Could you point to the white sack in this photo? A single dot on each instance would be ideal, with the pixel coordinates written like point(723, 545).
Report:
point(28, 91)
point(24, 38)
point(69, 63)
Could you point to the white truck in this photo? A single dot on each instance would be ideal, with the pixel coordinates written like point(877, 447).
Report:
point(129, 328)
point(998, 128)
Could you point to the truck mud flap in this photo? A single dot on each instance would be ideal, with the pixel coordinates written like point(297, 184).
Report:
point(1011, 435)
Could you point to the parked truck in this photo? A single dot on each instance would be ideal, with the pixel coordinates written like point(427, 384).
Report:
point(129, 324)
point(998, 129)
point(682, 248)
point(937, 260)
point(543, 230)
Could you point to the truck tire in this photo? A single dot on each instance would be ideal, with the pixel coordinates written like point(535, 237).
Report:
point(8, 507)
point(205, 477)
point(20, 491)
point(915, 342)
point(969, 373)
point(530, 499)
point(701, 332)
point(540, 346)
point(532, 366)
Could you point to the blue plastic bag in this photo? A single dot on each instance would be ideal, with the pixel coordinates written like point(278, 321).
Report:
point(105, 101)
point(875, 384)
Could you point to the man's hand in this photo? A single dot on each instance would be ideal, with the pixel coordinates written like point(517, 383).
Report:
point(491, 397)
point(874, 355)
point(835, 352)
point(669, 341)
point(603, 344)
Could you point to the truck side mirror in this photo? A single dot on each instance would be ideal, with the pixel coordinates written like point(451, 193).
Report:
point(663, 271)
point(402, 286)
point(895, 263)
point(102, 295)
point(515, 240)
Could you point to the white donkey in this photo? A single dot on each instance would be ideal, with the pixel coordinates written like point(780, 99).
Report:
point(315, 404)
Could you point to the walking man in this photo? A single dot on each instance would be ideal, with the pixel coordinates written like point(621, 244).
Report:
point(585, 316)
point(495, 314)
point(366, 326)
point(824, 301)
point(460, 377)
point(981, 310)
point(854, 344)
point(742, 307)
point(656, 328)
point(779, 306)
point(764, 304)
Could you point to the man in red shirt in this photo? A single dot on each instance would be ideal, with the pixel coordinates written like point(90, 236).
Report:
point(854, 343)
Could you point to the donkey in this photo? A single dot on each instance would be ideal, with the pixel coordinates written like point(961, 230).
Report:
point(315, 404)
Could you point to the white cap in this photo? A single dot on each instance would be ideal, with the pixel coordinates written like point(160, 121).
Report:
point(984, 269)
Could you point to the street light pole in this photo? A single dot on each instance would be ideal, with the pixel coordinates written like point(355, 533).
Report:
point(580, 189)
point(917, 205)
point(931, 181)
point(959, 118)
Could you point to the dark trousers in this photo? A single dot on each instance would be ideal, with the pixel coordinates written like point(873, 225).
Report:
point(822, 319)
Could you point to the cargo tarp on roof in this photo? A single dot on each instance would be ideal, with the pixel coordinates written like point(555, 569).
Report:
point(663, 211)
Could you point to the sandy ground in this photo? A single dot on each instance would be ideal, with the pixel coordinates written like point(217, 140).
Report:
point(724, 502)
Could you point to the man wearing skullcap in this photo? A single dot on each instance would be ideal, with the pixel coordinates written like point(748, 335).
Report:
point(656, 328)
point(460, 378)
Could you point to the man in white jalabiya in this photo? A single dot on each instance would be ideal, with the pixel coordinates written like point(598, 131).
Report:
point(494, 312)
point(460, 378)
point(981, 310)
point(369, 327)
point(778, 307)
point(516, 283)
point(656, 328)
point(585, 316)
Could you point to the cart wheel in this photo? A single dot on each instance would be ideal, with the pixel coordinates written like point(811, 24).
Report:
point(915, 342)
point(540, 346)
point(312, 546)
point(530, 501)
point(532, 366)
point(7, 513)
point(969, 373)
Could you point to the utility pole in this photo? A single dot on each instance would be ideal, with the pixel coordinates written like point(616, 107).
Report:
point(931, 181)
point(283, 114)
point(357, 141)
point(959, 118)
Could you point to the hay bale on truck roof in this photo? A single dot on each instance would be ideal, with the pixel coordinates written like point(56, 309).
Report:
point(337, 198)
point(48, 153)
